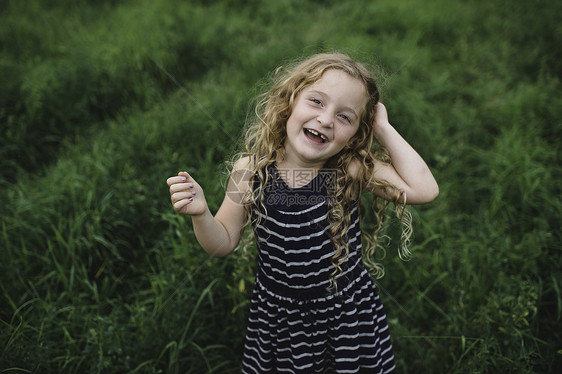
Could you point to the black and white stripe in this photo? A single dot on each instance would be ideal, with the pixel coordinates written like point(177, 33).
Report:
point(296, 325)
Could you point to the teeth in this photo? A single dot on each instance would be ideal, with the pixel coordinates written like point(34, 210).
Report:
point(322, 136)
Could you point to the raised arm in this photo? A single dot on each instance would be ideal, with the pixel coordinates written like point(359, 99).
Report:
point(407, 171)
point(218, 235)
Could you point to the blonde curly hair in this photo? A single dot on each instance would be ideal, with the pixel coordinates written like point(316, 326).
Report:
point(264, 140)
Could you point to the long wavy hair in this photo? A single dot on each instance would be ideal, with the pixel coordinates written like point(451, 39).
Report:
point(264, 140)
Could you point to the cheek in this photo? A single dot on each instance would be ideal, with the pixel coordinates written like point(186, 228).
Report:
point(291, 126)
point(353, 133)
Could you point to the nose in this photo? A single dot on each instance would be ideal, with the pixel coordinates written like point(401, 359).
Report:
point(325, 119)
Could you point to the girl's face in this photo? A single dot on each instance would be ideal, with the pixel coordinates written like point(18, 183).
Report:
point(325, 116)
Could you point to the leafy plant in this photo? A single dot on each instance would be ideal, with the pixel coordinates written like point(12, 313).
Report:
point(101, 102)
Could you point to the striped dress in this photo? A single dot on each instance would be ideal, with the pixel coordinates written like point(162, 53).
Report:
point(295, 324)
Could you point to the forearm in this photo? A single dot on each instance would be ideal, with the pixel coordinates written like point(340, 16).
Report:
point(420, 185)
point(218, 235)
point(212, 235)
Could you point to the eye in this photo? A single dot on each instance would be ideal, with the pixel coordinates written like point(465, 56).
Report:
point(315, 101)
point(345, 117)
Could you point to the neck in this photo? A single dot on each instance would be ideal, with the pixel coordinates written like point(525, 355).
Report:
point(290, 162)
point(297, 175)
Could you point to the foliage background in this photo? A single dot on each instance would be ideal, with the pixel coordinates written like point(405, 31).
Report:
point(101, 101)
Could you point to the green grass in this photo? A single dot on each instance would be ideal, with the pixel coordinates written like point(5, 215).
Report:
point(101, 102)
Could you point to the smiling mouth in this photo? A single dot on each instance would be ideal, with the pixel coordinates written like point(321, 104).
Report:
point(315, 136)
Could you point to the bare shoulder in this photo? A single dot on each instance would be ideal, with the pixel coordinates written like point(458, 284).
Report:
point(363, 174)
point(240, 178)
point(243, 163)
point(355, 170)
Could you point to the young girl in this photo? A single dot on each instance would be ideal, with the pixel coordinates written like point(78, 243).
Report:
point(309, 156)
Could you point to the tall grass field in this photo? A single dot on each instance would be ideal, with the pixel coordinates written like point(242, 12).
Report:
point(101, 101)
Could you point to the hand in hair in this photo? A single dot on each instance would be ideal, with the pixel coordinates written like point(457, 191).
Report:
point(381, 116)
point(407, 172)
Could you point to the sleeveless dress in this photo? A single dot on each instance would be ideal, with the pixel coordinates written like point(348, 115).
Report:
point(295, 324)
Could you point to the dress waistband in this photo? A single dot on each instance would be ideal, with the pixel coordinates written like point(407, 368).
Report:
point(320, 292)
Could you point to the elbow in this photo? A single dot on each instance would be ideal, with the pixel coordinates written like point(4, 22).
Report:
point(219, 255)
point(424, 196)
point(219, 252)
point(431, 190)
point(434, 193)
